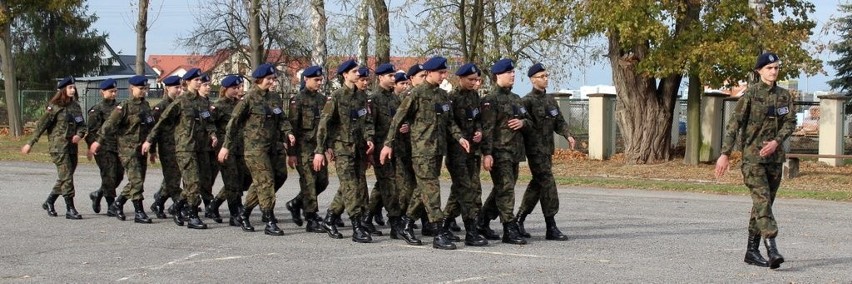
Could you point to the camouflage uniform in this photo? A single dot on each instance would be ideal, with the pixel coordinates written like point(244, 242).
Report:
point(384, 105)
point(170, 186)
point(466, 191)
point(107, 158)
point(538, 138)
point(212, 168)
point(404, 179)
point(129, 124)
point(763, 113)
point(304, 115)
point(62, 124)
point(235, 175)
point(506, 146)
point(346, 124)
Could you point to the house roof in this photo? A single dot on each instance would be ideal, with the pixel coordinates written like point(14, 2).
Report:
point(168, 64)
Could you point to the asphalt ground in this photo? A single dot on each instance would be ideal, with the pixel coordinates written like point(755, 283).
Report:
point(616, 236)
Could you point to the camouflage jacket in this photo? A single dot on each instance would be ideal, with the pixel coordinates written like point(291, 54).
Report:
point(221, 113)
point(467, 115)
point(402, 144)
point(167, 139)
point(206, 146)
point(61, 124)
point(384, 105)
point(762, 114)
point(129, 124)
point(430, 111)
point(260, 117)
point(346, 122)
point(190, 116)
point(304, 115)
point(498, 107)
point(98, 114)
point(547, 119)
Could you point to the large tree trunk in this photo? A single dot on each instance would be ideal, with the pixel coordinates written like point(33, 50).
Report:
point(255, 47)
point(380, 13)
point(141, 31)
point(318, 27)
point(9, 74)
point(363, 32)
point(693, 121)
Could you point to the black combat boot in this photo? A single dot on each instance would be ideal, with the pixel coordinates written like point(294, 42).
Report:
point(441, 241)
point(484, 229)
point(140, 217)
point(471, 236)
point(553, 233)
point(380, 220)
point(96, 200)
point(367, 224)
point(775, 258)
point(48, 205)
point(176, 211)
point(447, 230)
point(405, 228)
point(234, 212)
point(110, 209)
point(393, 222)
point(295, 208)
point(158, 204)
point(330, 225)
point(427, 229)
point(119, 207)
point(71, 212)
point(313, 223)
point(207, 213)
point(271, 227)
point(521, 230)
point(194, 222)
point(359, 233)
point(339, 222)
point(245, 214)
point(454, 226)
point(511, 234)
point(753, 255)
point(213, 209)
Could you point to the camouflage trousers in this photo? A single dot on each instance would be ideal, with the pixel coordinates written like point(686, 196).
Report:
point(405, 182)
point(213, 168)
point(541, 187)
point(193, 174)
point(235, 178)
point(135, 166)
point(501, 200)
point(385, 188)
point(466, 192)
point(311, 183)
point(170, 186)
point(111, 172)
point(66, 165)
point(427, 169)
point(268, 172)
point(352, 194)
point(763, 181)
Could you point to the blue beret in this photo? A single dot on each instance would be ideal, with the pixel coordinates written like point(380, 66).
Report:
point(192, 73)
point(399, 77)
point(138, 81)
point(346, 66)
point(535, 69)
point(502, 66)
point(263, 70)
point(231, 81)
point(468, 69)
point(171, 81)
point(766, 59)
point(313, 71)
point(435, 63)
point(107, 84)
point(205, 78)
point(414, 69)
point(65, 82)
point(363, 72)
point(386, 68)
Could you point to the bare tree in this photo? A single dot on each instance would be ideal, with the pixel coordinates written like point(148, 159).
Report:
point(363, 31)
point(141, 32)
point(382, 22)
point(255, 48)
point(9, 75)
point(318, 28)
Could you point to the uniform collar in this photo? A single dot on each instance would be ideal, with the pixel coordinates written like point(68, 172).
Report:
point(537, 92)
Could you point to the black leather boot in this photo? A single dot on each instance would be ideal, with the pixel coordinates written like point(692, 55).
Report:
point(71, 212)
point(521, 230)
point(553, 233)
point(245, 223)
point(213, 209)
point(753, 255)
point(172, 209)
point(447, 230)
point(454, 226)
point(96, 196)
point(110, 209)
point(271, 227)
point(367, 224)
point(427, 228)
point(359, 233)
point(295, 208)
point(393, 222)
point(471, 236)
point(775, 258)
point(140, 217)
point(484, 229)
point(48, 205)
point(234, 212)
point(119, 207)
point(313, 223)
point(176, 212)
point(380, 220)
point(511, 235)
point(330, 225)
point(339, 222)
point(207, 213)
point(441, 241)
point(195, 222)
point(157, 206)
point(406, 231)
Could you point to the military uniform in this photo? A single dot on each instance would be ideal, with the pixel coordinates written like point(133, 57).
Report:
point(304, 115)
point(466, 192)
point(235, 174)
point(166, 149)
point(107, 159)
point(384, 105)
point(206, 191)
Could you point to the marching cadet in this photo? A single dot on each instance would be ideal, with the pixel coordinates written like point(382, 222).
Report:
point(235, 175)
point(404, 179)
point(63, 121)
point(766, 116)
point(212, 168)
point(170, 186)
point(416, 76)
point(129, 124)
point(503, 117)
point(429, 110)
point(538, 141)
point(190, 117)
point(346, 125)
point(304, 115)
point(384, 104)
point(108, 162)
point(265, 133)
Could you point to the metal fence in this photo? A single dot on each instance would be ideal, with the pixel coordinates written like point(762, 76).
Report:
point(31, 103)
